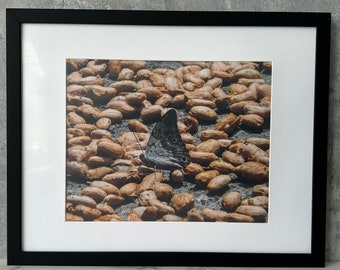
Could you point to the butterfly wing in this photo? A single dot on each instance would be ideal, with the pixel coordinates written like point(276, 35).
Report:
point(165, 149)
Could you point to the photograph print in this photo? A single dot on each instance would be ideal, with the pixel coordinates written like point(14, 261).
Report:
point(179, 141)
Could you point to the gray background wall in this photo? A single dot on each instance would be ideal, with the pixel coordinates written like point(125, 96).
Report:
point(333, 6)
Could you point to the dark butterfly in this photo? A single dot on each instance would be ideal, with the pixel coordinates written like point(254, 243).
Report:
point(165, 149)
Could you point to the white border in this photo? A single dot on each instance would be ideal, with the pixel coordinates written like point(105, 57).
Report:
point(45, 48)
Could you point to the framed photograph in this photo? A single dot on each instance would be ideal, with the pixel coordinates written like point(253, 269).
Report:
point(163, 138)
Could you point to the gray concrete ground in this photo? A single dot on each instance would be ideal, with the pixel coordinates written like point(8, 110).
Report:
point(333, 6)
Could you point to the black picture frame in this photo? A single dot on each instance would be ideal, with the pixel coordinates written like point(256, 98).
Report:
point(15, 18)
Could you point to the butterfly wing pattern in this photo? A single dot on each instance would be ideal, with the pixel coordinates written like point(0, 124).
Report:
point(165, 149)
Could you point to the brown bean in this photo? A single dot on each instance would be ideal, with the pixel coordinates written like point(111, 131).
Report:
point(121, 106)
point(132, 216)
point(251, 121)
point(260, 190)
point(189, 77)
point(193, 168)
point(177, 176)
point(117, 179)
point(236, 88)
point(221, 99)
point(206, 176)
point(200, 64)
point(218, 65)
point(243, 66)
point(109, 217)
point(75, 90)
point(215, 82)
point(73, 78)
point(222, 166)
point(87, 128)
point(129, 190)
point(105, 208)
point(81, 200)
point(203, 113)
point(231, 200)
point(200, 93)
point(149, 181)
point(248, 74)
point(113, 200)
point(91, 80)
point(164, 100)
point(256, 212)
point(213, 215)
point(124, 86)
point(172, 218)
point(98, 173)
point(191, 124)
point(157, 79)
point(183, 202)
point(97, 68)
point(71, 217)
point(262, 111)
point(100, 93)
point(87, 213)
point(225, 76)
point(245, 96)
point(213, 134)
point(173, 84)
point(135, 99)
point(187, 138)
point(125, 74)
point(238, 108)
point(235, 217)
point(76, 168)
point(135, 65)
point(262, 143)
point(189, 86)
point(101, 133)
point(152, 113)
point(261, 201)
point(95, 193)
point(86, 71)
point(107, 187)
point(150, 92)
point(202, 158)
point(252, 152)
point(146, 196)
point(227, 123)
point(162, 208)
point(114, 115)
point(248, 82)
point(210, 146)
point(264, 90)
point(200, 102)
point(253, 171)
point(148, 213)
point(195, 214)
point(74, 119)
point(88, 112)
point(204, 74)
point(178, 101)
point(81, 140)
point(163, 191)
point(110, 149)
point(233, 158)
point(79, 100)
point(136, 126)
point(219, 182)
point(115, 66)
point(74, 153)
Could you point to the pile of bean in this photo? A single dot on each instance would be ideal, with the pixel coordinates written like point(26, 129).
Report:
point(223, 118)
